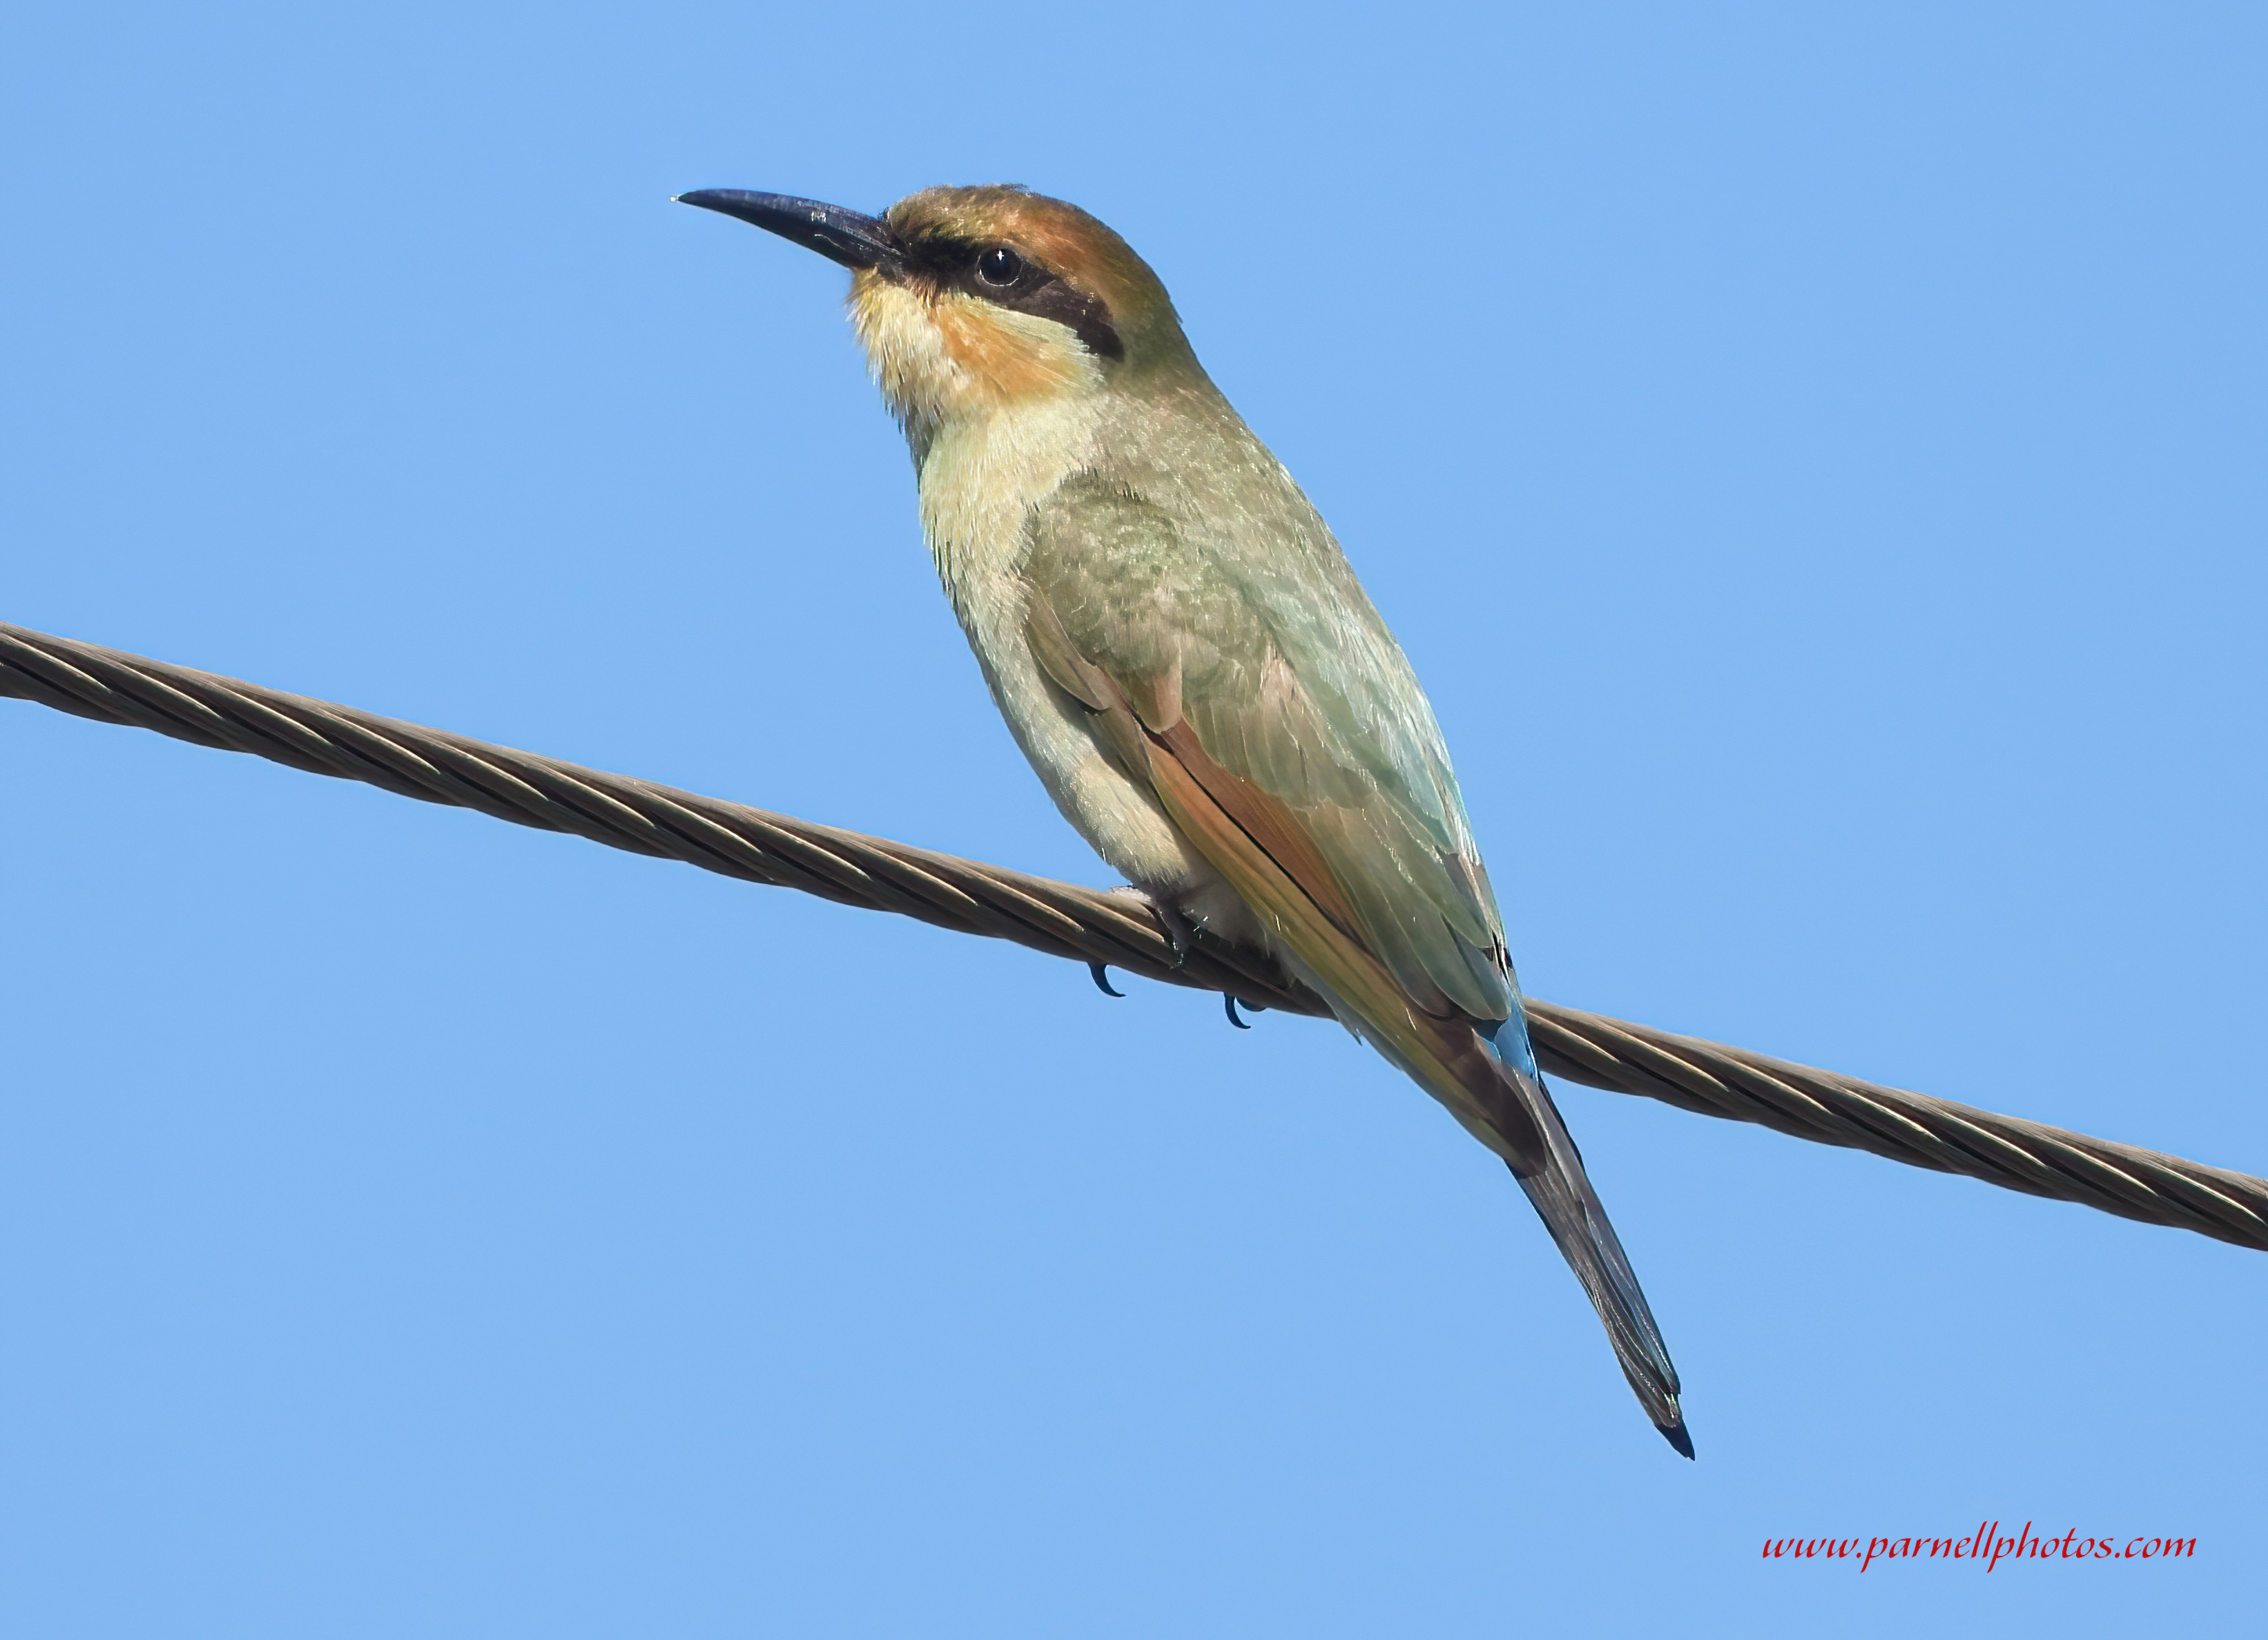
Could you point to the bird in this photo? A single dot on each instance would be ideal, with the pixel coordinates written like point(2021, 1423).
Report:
point(1182, 650)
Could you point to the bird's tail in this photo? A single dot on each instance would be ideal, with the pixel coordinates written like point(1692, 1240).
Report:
point(1552, 1175)
point(1485, 1073)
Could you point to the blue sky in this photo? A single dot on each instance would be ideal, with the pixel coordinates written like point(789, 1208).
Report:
point(1813, 457)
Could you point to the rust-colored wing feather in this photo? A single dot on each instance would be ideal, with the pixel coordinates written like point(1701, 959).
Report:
point(1193, 691)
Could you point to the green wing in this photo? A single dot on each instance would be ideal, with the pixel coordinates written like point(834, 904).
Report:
point(1244, 622)
point(1207, 624)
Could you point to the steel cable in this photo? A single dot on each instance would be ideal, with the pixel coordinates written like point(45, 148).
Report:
point(1096, 927)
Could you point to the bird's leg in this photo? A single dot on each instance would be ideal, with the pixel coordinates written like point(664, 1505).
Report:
point(1178, 933)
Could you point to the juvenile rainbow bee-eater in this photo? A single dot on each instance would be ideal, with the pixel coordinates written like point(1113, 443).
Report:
point(1180, 649)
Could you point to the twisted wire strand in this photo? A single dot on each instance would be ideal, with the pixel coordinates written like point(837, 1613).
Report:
point(1096, 927)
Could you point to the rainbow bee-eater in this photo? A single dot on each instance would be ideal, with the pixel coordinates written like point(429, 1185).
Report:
point(1182, 650)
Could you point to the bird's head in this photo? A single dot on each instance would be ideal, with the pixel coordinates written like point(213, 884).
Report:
point(973, 299)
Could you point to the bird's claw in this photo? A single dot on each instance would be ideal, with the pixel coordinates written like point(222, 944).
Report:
point(1101, 974)
point(1229, 1003)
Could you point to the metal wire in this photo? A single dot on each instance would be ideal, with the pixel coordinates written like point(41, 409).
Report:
point(1096, 927)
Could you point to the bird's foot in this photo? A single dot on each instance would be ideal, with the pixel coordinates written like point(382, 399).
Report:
point(1179, 932)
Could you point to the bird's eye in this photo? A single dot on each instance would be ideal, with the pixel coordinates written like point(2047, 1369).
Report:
point(1000, 266)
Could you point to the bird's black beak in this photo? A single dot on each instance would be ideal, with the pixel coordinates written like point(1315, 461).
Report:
point(839, 235)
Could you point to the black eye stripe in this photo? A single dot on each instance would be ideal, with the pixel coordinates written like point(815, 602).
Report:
point(1002, 276)
point(1085, 317)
